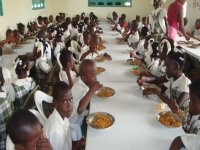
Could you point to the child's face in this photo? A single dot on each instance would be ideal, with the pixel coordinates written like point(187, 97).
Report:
point(51, 18)
point(21, 30)
point(46, 21)
point(144, 21)
point(64, 104)
point(87, 39)
point(35, 133)
point(90, 76)
point(10, 35)
point(71, 62)
point(170, 68)
point(194, 105)
point(156, 3)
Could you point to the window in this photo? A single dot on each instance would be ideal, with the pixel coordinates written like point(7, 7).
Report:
point(109, 3)
point(38, 4)
point(1, 8)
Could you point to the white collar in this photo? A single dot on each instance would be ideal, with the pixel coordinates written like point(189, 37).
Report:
point(61, 121)
point(3, 95)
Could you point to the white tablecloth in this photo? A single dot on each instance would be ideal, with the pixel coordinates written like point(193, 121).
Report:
point(8, 59)
point(195, 52)
point(135, 127)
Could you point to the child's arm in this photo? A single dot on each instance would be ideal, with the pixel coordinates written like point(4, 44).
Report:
point(182, 98)
point(71, 82)
point(177, 144)
point(85, 55)
point(77, 145)
point(152, 80)
point(87, 98)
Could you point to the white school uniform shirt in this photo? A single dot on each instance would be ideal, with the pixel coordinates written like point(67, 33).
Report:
point(163, 14)
point(133, 38)
point(140, 25)
point(69, 26)
point(58, 48)
point(191, 141)
point(153, 66)
point(63, 76)
point(44, 62)
point(58, 132)
point(89, 56)
point(28, 83)
point(80, 39)
point(66, 36)
point(161, 71)
point(79, 90)
point(175, 88)
point(196, 34)
point(73, 32)
point(140, 48)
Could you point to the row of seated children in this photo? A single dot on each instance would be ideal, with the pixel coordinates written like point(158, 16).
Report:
point(86, 84)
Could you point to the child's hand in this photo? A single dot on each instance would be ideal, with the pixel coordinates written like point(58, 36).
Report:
point(173, 106)
point(141, 80)
point(150, 91)
point(43, 144)
point(96, 86)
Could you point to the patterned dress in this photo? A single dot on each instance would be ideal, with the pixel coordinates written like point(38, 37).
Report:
point(6, 110)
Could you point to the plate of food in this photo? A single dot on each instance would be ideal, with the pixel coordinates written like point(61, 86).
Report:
point(100, 48)
point(134, 61)
point(105, 92)
point(100, 70)
point(100, 120)
point(137, 71)
point(101, 58)
point(169, 119)
point(194, 45)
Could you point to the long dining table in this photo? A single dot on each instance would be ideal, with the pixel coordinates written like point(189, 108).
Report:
point(135, 126)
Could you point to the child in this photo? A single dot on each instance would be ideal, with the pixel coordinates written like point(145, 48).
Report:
point(138, 19)
point(31, 30)
point(66, 63)
point(69, 21)
point(140, 51)
point(66, 32)
point(46, 21)
point(176, 88)
point(92, 52)
point(17, 37)
point(42, 51)
point(57, 127)
point(59, 43)
point(24, 84)
point(74, 29)
point(21, 29)
point(154, 59)
point(10, 40)
point(191, 139)
point(133, 37)
point(84, 89)
point(196, 32)
point(26, 133)
point(158, 21)
point(40, 22)
point(6, 109)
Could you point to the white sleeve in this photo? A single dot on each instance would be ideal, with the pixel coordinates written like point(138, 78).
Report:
point(57, 49)
point(185, 85)
point(191, 141)
point(63, 77)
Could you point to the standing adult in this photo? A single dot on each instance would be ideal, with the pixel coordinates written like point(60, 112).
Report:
point(158, 21)
point(175, 19)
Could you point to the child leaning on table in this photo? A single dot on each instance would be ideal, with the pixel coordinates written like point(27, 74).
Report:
point(25, 131)
point(57, 127)
point(190, 140)
point(175, 92)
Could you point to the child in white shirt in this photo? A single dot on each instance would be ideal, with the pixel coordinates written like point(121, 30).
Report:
point(196, 32)
point(84, 89)
point(174, 93)
point(58, 128)
point(190, 140)
point(66, 62)
point(60, 45)
point(24, 84)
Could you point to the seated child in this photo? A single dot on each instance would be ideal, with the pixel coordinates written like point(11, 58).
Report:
point(24, 84)
point(66, 32)
point(25, 131)
point(83, 90)
point(21, 29)
point(133, 36)
point(40, 22)
point(74, 29)
point(42, 52)
point(67, 65)
point(140, 25)
point(57, 127)
point(36, 28)
point(46, 21)
point(59, 43)
point(86, 38)
point(6, 109)
point(9, 43)
point(140, 50)
point(17, 37)
point(190, 140)
point(196, 32)
point(31, 29)
point(176, 91)
point(69, 22)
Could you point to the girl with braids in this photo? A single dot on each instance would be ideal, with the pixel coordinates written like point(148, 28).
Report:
point(176, 91)
point(42, 51)
point(59, 43)
point(24, 84)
